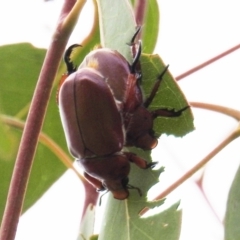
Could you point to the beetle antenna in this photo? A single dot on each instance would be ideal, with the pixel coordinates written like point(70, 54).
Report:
point(155, 88)
point(135, 35)
point(136, 188)
point(70, 66)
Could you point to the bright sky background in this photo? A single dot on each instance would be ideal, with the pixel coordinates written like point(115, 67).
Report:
point(191, 33)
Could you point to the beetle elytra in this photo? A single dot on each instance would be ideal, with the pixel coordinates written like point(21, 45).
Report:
point(102, 110)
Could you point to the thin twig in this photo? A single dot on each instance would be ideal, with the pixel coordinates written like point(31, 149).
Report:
point(33, 126)
point(198, 166)
point(221, 109)
point(199, 184)
point(47, 141)
point(202, 65)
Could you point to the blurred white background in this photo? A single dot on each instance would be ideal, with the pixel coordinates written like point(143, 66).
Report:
point(191, 33)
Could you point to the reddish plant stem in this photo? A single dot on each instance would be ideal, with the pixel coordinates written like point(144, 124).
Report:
point(139, 12)
point(32, 129)
point(193, 70)
point(45, 140)
point(91, 196)
point(199, 183)
point(217, 108)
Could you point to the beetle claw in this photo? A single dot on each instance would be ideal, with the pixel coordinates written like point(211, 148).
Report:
point(164, 112)
point(134, 36)
point(136, 59)
point(101, 189)
point(100, 198)
point(151, 164)
point(70, 67)
point(136, 188)
point(102, 111)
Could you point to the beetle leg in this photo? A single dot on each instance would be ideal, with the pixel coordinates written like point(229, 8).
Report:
point(70, 67)
point(132, 43)
point(137, 160)
point(164, 112)
point(100, 198)
point(152, 164)
point(135, 66)
point(136, 188)
point(155, 88)
point(135, 35)
point(95, 182)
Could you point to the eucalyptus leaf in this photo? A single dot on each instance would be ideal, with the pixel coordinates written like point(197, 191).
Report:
point(20, 67)
point(150, 27)
point(87, 224)
point(94, 237)
point(121, 220)
point(169, 96)
point(122, 217)
point(8, 142)
point(232, 216)
point(117, 25)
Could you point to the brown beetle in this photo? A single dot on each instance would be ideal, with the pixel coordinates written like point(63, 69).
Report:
point(124, 80)
point(94, 129)
point(102, 110)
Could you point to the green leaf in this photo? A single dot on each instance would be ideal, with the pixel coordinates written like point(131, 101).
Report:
point(117, 25)
point(232, 216)
point(125, 225)
point(94, 237)
point(20, 66)
point(8, 142)
point(121, 220)
point(151, 26)
point(121, 217)
point(87, 224)
point(168, 96)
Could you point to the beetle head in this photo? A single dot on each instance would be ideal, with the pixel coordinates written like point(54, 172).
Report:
point(118, 188)
point(112, 172)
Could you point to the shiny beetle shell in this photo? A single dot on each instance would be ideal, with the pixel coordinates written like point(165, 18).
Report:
point(138, 121)
point(89, 113)
point(124, 81)
point(114, 68)
point(102, 110)
point(94, 131)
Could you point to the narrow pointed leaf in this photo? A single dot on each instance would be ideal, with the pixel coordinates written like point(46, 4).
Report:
point(117, 25)
point(232, 216)
point(151, 26)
